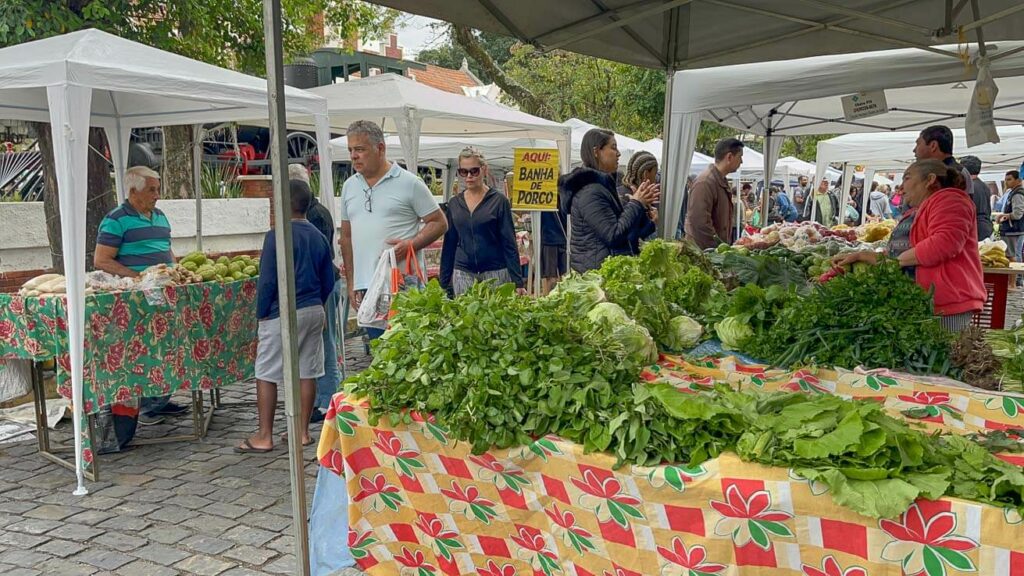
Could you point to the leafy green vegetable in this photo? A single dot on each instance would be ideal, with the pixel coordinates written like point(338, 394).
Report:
point(632, 336)
point(683, 333)
point(732, 332)
point(583, 291)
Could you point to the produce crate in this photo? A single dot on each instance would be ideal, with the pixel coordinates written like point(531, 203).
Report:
point(997, 283)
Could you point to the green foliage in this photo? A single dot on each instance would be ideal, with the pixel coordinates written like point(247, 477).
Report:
point(450, 55)
point(228, 34)
point(876, 317)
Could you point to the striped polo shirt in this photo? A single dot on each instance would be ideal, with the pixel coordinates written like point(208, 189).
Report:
point(141, 242)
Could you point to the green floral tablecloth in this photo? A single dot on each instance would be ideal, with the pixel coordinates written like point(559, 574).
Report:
point(201, 336)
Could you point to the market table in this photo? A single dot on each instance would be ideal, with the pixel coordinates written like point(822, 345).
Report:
point(421, 503)
point(138, 344)
point(997, 283)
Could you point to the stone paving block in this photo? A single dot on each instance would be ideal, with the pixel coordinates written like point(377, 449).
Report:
point(283, 544)
point(283, 565)
point(204, 565)
point(90, 517)
point(241, 572)
point(120, 541)
point(76, 532)
point(34, 526)
point(135, 480)
point(65, 568)
point(273, 522)
point(166, 534)
point(164, 484)
point(23, 558)
point(194, 478)
point(18, 540)
point(202, 457)
point(135, 509)
point(125, 523)
point(209, 524)
point(25, 493)
point(226, 510)
point(190, 502)
point(15, 475)
point(16, 507)
point(103, 559)
point(51, 512)
point(60, 548)
point(201, 488)
point(143, 568)
point(30, 464)
point(13, 571)
point(249, 535)
point(117, 491)
point(161, 554)
point(153, 495)
point(206, 544)
point(251, 555)
point(255, 501)
point(94, 502)
point(172, 515)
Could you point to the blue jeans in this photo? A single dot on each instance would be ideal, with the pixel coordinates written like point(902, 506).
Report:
point(328, 525)
point(327, 384)
point(150, 406)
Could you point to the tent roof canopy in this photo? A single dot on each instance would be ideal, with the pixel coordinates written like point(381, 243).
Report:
point(141, 86)
point(681, 34)
point(895, 150)
point(387, 97)
point(804, 96)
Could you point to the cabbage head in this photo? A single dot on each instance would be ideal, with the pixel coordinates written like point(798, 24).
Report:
point(732, 331)
point(583, 291)
point(683, 333)
point(636, 341)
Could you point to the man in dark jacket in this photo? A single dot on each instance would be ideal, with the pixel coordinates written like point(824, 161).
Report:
point(980, 194)
point(709, 209)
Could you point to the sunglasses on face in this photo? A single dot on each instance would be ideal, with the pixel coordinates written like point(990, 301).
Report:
point(475, 171)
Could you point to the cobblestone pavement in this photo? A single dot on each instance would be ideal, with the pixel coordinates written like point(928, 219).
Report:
point(165, 509)
point(182, 508)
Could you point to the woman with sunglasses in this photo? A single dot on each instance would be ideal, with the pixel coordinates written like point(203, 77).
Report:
point(480, 244)
point(602, 225)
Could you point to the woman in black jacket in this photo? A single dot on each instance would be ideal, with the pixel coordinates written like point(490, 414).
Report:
point(480, 244)
point(601, 224)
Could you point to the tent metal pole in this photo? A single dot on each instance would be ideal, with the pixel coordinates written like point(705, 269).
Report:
point(286, 278)
point(666, 148)
point(197, 180)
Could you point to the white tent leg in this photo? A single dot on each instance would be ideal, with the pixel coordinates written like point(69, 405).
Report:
point(197, 180)
point(120, 141)
point(69, 119)
point(323, 147)
point(844, 195)
point(869, 178)
point(664, 222)
point(677, 160)
point(409, 136)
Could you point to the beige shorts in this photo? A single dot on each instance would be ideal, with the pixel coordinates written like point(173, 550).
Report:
point(309, 329)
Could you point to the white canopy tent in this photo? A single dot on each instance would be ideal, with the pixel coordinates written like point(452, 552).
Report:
point(411, 110)
point(497, 151)
point(895, 150)
point(91, 78)
point(793, 97)
point(627, 146)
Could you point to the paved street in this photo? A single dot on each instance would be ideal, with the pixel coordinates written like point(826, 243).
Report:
point(182, 508)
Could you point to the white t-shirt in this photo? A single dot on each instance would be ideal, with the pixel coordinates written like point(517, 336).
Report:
point(397, 204)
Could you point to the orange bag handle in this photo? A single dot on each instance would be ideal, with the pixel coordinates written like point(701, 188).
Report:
point(410, 256)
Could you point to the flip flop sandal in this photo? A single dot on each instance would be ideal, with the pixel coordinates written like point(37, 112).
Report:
point(284, 438)
point(248, 448)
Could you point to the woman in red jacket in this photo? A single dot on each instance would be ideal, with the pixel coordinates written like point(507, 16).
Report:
point(942, 252)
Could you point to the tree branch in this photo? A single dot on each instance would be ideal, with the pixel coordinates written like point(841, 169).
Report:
point(466, 39)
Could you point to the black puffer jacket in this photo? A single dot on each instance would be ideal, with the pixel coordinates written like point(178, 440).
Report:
point(601, 224)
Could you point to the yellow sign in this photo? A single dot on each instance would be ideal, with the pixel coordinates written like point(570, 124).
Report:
point(535, 186)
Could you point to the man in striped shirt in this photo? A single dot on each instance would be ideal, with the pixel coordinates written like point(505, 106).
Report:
point(133, 237)
point(136, 234)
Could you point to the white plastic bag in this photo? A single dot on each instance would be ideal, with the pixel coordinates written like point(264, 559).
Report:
point(373, 312)
point(15, 379)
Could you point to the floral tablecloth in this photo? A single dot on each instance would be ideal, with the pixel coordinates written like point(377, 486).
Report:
point(421, 503)
point(196, 337)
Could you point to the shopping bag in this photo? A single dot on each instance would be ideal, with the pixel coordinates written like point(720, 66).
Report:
point(411, 276)
point(373, 312)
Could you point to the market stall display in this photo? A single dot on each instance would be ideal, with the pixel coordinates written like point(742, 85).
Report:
point(422, 500)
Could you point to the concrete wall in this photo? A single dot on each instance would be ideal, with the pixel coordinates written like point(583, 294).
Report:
point(228, 226)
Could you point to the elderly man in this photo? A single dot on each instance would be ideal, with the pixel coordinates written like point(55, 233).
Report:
point(382, 206)
point(133, 237)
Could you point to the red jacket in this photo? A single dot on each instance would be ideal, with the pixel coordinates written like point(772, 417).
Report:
point(945, 239)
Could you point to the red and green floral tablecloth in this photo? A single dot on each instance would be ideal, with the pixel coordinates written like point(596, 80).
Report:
point(201, 336)
point(421, 504)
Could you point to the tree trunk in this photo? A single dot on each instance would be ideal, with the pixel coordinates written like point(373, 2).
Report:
point(177, 169)
point(465, 38)
point(101, 198)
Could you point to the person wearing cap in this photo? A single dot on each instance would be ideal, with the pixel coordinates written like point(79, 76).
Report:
point(980, 195)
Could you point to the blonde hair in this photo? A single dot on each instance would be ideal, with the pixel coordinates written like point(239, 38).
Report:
point(470, 152)
point(135, 177)
point(298, 172)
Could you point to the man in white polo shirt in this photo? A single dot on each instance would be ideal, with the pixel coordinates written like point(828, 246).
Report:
point(382, 206)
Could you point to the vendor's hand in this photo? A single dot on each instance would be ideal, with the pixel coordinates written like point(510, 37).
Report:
point(401, 247)
point(653, 214)
point(521, 291)
point(647, 194)
point(1003, 218)
point(854, 257)
point(355, 298)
